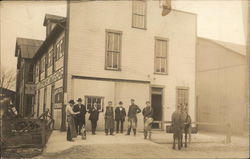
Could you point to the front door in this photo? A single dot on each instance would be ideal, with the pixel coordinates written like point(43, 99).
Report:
point(156, 100)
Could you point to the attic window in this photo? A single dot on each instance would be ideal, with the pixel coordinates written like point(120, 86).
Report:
point(48, 28)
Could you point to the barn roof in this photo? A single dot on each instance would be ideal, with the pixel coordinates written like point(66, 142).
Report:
point(28, 47)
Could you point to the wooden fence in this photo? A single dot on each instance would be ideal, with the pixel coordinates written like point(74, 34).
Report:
point(227, 127)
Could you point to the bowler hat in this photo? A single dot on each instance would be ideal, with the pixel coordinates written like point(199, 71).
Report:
point(79, 100)
point(71, 101)
point(120, 102)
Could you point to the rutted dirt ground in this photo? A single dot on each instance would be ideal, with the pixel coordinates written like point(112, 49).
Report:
point(130, 147)
point(137, 151)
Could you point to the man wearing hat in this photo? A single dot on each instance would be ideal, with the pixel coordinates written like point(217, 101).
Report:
point(132, 117)
point(120, 115)
point(71, 132)
point(79, 118)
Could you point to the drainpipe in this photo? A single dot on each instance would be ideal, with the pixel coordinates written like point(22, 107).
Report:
point(65, 68)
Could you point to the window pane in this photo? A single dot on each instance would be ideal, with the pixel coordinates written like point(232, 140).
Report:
point(115, 60)
point(157, 65)
point(109, 59)
point(116, 42)
point(164, 49)
point(163, 65)
point(110, 42)
point(157, 48)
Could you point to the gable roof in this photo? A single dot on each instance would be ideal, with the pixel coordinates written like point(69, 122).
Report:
point(53, 18)
point(28, 47)
point(236, 48)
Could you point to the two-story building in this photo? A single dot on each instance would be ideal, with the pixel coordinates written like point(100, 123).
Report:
point(115, 51)
point(25, 51)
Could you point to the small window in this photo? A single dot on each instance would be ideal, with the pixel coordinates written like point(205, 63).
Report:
point(90, 100)
point(113, 50)
point(161, 51)
point(50, 58)
point(42, 64)
point(60, 49)
point(37, 69)
point(139, 14)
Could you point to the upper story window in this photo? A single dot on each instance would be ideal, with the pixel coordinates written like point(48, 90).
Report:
point(139, 14)
point(161, 52)
point(50, 58)
point(59, 49)
point(37, 69)
point(42, 64)
point(30, 74)
point(113, 50)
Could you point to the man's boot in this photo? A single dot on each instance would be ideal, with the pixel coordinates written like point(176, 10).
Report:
point(134, 132)
point(128, 133)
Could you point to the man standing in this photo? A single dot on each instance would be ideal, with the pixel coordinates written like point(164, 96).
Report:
point(109, 119)
point(79, 118)
point(120, 115)
point(132, 118)
point(148, 119)
point(71, 133)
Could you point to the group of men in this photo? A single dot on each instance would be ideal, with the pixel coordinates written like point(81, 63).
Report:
point(76, 116)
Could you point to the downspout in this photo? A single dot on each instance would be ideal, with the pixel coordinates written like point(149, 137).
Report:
point(65, 68)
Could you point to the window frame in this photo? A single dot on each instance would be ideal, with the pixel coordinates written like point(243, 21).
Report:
point(177, 97)
point(61, 47)
point(108, 31)
point(145, 15)
point(42, 64)
point(90, 96)
point(50, 58)
point(155, 57)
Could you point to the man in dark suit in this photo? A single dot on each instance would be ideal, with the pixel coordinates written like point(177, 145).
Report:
point(120, 115)
point(79, 118)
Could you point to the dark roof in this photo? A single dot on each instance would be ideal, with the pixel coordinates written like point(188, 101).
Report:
point(28, 47)
point(53, 18)
point(6, 90)
point(60, 27)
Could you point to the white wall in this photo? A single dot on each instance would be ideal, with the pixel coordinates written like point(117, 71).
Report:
point(221, 87)
point(112, 91)
point(88, 22)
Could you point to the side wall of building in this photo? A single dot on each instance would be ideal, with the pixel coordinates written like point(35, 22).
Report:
point(221, 87)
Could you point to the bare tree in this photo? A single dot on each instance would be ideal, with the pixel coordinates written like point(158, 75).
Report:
point(7, 78)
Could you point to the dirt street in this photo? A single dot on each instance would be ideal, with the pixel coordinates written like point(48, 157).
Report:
point(121, 146)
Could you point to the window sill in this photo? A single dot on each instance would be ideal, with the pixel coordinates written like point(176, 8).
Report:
point(158, 73)
point(110, 69)
point(139, 28)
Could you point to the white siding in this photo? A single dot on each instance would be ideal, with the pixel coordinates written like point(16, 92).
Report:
point(88, 22)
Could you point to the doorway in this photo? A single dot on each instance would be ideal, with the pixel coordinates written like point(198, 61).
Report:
point(156, 100)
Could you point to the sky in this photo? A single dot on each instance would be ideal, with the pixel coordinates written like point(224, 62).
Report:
point(223, 20)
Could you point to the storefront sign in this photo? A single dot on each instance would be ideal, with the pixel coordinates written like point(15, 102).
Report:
point(52, 78)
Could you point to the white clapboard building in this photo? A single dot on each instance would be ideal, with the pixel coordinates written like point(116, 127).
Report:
point(116, 51)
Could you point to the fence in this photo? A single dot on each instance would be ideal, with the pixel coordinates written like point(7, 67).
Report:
point(227, 128)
